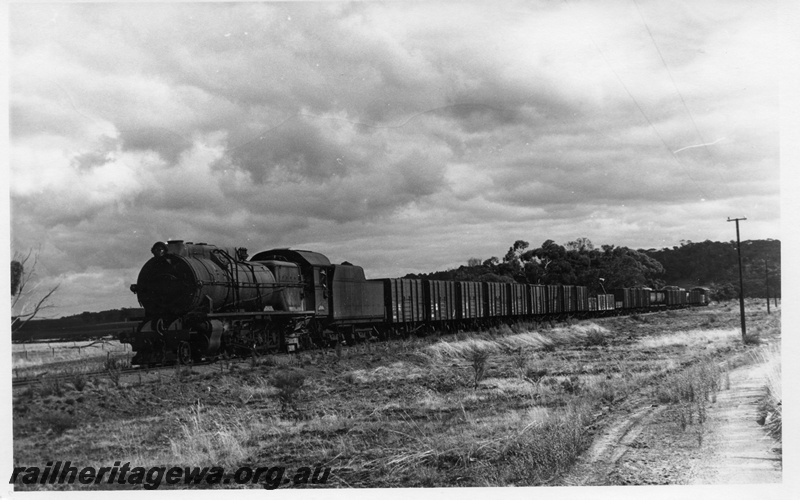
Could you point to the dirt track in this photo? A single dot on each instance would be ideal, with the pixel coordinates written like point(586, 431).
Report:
point(646, 446)
point(740, 452)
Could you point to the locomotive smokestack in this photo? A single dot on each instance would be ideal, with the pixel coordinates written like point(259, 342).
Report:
point(159, 249)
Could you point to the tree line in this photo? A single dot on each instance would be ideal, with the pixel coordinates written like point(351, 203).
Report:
point(709, 264)
point(715, 265)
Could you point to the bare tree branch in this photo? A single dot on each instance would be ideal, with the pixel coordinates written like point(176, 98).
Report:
point(20, 321)
point(24, 301)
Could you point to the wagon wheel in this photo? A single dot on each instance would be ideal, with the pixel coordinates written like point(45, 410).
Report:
point(184, 353)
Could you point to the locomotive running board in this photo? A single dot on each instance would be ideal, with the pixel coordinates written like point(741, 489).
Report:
point(260, 313)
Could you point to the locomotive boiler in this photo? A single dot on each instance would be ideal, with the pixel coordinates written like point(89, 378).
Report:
point(201, 300)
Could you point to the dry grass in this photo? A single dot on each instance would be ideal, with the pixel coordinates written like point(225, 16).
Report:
point(28, 355)
point(519, 447)
point(397, 371)
point(771, 407)
point(128, 442)
point(692, 338)
point(529, 340)
point(691, 390)
point(218, 436)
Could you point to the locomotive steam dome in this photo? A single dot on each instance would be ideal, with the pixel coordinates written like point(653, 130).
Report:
point(183, 277)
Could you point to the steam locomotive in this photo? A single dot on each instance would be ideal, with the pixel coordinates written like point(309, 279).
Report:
point(202, 301)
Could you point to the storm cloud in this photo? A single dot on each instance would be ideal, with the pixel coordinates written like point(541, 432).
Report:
point(401, 136)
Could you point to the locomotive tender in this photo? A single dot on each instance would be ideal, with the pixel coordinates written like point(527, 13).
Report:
point(202, 301)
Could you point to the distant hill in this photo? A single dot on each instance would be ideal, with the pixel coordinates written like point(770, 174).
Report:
point(715, 264)
point(80, 326)
point(89, 318)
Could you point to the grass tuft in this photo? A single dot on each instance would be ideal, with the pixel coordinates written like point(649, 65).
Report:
point(58, 422)
point(289, 384)
point(216, 436)
point(595, 337)
point(691, 390)
point(771, 407)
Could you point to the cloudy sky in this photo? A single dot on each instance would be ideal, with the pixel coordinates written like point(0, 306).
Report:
point(403, 137)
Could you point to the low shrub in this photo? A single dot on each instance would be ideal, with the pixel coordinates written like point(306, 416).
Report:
point(114, 368)
point(571, 385)
point(751, 339)
point(58, 422)
point(79, 381)
point(50, 386)
point(289, 384)
point(535, 374)
point(477, 355)
point(595, 337)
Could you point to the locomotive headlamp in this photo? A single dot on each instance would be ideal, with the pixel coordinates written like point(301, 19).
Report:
point(159, 249)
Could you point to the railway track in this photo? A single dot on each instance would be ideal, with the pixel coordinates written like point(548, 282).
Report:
point(46, 377)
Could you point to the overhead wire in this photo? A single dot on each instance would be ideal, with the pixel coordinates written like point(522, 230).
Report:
point(703, 142)
point(644, 115)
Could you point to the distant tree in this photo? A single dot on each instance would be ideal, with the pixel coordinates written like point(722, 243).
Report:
point(473, 262)
point(27, 301)
point(491, 261)
point(16, 276)
point(492, 277)
point(622, 267)
point(724, 292)
point(512, 265)
point(582, 264)
point(552, 263)
point(580, 245)
point(514, 252)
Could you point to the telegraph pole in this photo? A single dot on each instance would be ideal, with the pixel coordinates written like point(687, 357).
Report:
point(741, 278)
point(766, 278)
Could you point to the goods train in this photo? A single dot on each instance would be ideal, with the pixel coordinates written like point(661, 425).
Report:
point(202, 301)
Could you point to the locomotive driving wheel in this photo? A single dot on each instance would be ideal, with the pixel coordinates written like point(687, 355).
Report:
point(184, 353)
